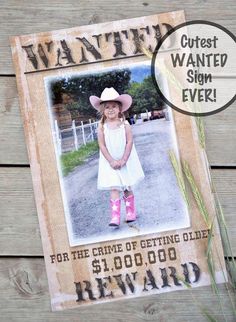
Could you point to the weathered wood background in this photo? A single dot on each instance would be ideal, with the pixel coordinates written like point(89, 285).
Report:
point(23, 283)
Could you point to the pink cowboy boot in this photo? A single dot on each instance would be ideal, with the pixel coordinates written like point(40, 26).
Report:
point(115, 212)
point(130, 209)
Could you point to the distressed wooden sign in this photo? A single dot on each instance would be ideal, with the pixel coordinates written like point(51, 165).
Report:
point(164, 248)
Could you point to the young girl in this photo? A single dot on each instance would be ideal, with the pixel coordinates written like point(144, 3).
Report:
point(119, 165)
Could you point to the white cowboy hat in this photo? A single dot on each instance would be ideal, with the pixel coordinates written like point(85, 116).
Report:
point(110, 94)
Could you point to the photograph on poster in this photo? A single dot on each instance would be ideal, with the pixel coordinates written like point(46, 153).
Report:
point(106, 199)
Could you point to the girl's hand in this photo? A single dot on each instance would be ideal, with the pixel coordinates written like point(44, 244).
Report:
point(115, 164)
point(122, 162)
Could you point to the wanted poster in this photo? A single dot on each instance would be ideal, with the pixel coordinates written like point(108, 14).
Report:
point(115, 220)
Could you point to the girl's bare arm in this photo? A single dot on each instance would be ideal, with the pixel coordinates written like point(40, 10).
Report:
point(129, 144)
point(102, 145)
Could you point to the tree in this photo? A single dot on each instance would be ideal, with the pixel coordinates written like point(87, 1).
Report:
point(81, 87)
point(145, 96)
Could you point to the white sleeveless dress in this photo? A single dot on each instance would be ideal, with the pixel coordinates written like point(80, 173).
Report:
point(126, 177)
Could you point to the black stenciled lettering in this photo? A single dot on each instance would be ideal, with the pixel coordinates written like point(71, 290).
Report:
point(117, 262)
point(88, 289)
point(105, 267)
point(164, 277)
point(174, 275)
point(84, 58)
point(137, 40)
point(138, 259)
point(60, 257)
point(53, 258)
point(128, 261)
point(118, 45)
point(49, 45)
point(151, 257)
point(186, 273)
point(125, 32)
point(107, 36)
point(161, 255)
point(151, 280)
point(79, 292)
point(157, 33)
point(96, 266)
point(129, 282)
point(196, 271)
point(146, 29)
point(67, 52)
point(172, 253)
point(89, 47)
point(102, 286)
point(42, 55)
point(97, 37)
point(58, 57)
point(121, 284)
point(31, 55)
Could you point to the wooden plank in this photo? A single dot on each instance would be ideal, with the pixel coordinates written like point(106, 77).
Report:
point(12, 148)
point(19, 234)
point(24, 296)
point(24, 291)
point(19, 222)
point(220, 130)
point(34, 16)
point(220, 133)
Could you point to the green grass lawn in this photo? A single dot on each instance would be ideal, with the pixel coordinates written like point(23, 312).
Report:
point(72, 159)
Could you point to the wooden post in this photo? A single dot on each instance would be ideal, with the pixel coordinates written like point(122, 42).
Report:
point(58, 138)
point(82, 127)
point(75, 135)
point(91, 129)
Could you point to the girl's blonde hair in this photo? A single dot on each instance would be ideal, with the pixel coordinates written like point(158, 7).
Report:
point(103, 117)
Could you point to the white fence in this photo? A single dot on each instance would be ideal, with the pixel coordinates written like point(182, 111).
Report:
point(72, 138)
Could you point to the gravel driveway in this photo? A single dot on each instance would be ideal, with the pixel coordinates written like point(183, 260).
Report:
point(159, 202)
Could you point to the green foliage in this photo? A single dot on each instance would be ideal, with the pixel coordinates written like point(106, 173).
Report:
point(80, 88)
point(179, 176)
point(185, 168)
point(73, 108)
point(72, 159)
point(145, 96)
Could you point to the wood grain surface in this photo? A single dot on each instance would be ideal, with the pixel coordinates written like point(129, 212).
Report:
point(26, 17)
point(23, 284)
